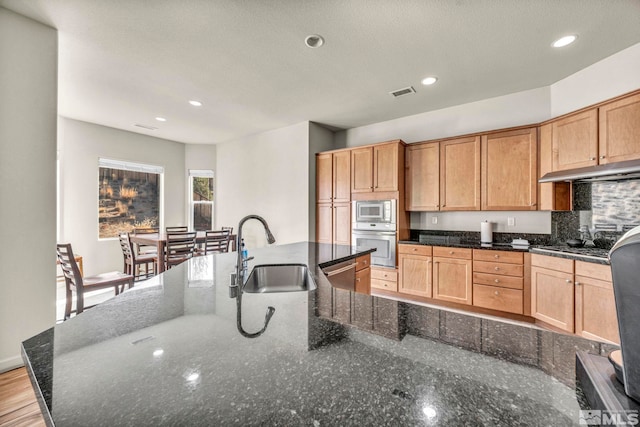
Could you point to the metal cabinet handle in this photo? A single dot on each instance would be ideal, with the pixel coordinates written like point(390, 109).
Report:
point(568, 280)
point(497, 268)
point(358, 279)
point(592, 158)
point(450, 252)
point(496, 256)
point(497, 281)
point(602, 157)
point(497, 293)
point(578, 283)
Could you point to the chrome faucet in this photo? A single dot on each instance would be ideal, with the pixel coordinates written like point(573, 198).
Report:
point(237, 278)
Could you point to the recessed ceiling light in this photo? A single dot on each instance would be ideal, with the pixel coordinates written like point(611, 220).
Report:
point(563, 41)
point(313, 41)
point(195, 103)
point(429, 80)
point(161, 119)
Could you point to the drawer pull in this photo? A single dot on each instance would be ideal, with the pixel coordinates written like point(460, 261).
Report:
point(592, 158)
point(497, 293)
point(497, 281)
point(602, 157)
point(450, 252)
point(578, 283)
point(358, 279)
point(568, 280)
point(497, 268)
point(415, 249)
point(497, 256)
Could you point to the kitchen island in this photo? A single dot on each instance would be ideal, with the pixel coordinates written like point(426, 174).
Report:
point(168, 352)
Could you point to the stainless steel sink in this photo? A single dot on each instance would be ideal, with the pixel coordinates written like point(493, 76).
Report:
point(279, 278)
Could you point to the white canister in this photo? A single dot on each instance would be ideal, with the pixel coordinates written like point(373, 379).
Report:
point(486, 232)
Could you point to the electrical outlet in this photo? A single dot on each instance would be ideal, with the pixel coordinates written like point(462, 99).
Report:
point(511, 222)
point(434, 220)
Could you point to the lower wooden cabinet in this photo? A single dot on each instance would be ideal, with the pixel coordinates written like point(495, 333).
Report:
point(415, 266)
point(596, 317)
point(452, 275)
point(575, 296)
point(498, 280)
point(384, 278)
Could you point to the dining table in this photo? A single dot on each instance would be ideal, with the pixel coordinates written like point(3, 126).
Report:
point(159, 240)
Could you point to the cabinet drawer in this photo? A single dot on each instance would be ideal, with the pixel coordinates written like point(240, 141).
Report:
point(495, 280)
point(497, 298)
point(415, 249)
point(595, 271)
point(498, 256)
point(552, 263)
point(446, 252)
point(498, 268)
point(388, 274)
point(387, 285)
point(363, 262)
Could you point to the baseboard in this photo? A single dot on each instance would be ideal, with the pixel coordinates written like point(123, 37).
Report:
point(11, 363)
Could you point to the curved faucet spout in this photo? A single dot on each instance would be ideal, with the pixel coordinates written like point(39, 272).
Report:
point(239, 277)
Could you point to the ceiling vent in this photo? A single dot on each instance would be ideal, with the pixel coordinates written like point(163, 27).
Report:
point(402, 92)
point(146, 126)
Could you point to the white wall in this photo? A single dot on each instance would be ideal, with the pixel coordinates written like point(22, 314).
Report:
point(265, 174)
point(28, 109)
point(80, 145)
point(521, 108)
point(613, 76)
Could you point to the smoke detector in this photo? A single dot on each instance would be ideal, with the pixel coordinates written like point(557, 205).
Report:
point(402, 92)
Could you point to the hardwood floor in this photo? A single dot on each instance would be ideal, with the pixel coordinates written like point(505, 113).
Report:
point(18, 405)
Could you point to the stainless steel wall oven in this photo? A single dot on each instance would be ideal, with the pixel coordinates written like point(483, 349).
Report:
point(374, 226)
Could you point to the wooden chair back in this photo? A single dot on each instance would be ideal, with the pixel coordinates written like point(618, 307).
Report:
point(216, 241)
point(230, 229)
point(180, 247)
point(69, 266)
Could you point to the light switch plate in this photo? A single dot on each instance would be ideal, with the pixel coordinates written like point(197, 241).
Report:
point(511, 221)
point(434, 220)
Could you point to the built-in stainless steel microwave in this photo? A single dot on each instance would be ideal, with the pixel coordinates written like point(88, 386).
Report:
point(374, 211)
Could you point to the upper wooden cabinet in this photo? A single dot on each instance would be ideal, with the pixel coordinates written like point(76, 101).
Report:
point(460, 174)
point(376, 168)
point(510, 170)
point(552, 196)
point(333, 177)
point(619, 130)
point(575, 140)
point(423, 177)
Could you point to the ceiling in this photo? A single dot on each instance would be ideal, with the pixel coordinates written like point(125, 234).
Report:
point(124, 62)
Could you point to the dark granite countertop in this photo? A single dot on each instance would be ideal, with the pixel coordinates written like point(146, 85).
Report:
point(168, 352)
point(587, 254)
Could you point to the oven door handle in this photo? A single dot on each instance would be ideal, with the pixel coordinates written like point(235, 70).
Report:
point(372, 233)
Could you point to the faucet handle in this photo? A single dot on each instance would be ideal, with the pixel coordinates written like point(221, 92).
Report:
point(248, 258)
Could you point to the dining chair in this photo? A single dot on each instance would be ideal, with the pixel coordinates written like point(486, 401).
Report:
point(215, 242)
point(180, 247)
point(133, 261)
point(144, 249)
point(227, 228)
point(76, 282)
point(178, 229)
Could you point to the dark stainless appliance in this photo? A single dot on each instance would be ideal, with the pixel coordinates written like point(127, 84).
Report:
point(342, 275)
point(625, 269)
point(374, 226)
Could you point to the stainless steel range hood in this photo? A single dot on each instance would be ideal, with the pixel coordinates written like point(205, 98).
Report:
point(618, 171)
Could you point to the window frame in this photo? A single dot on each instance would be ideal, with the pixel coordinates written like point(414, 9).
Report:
point(200, 173)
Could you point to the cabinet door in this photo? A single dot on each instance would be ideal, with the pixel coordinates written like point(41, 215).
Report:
point(510, 170)
point(342, 177)
point(452, 280)
point(423, 177)
point(552, 297)
point(575, 141)
point(363, 281)
point(342, 224)
point(324, 178)
point(415, 275)
point(460, 174)
point(385, 167)
point(596, 310)
point(552, 196)
point(324, 223)
point(361, 170)
point(620, 130)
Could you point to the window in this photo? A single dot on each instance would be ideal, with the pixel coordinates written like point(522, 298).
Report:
point(129, 197)
point(201, 203)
